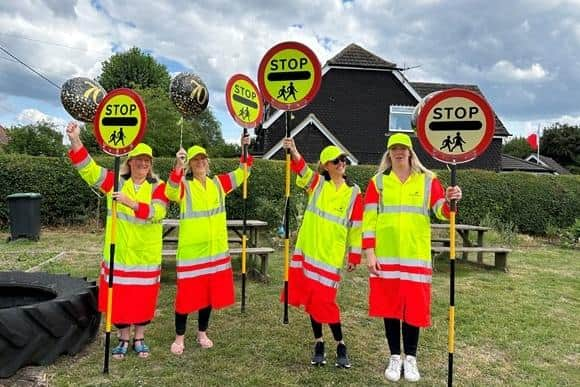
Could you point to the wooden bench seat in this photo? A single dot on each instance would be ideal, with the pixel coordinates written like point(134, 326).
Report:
point(262, 252)
point(500, 253)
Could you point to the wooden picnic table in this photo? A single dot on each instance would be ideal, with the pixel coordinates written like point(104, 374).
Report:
point(467, 246)
point(463, 231)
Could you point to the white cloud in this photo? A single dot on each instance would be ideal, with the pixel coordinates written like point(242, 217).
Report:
point(507, 71)
point(32, 116)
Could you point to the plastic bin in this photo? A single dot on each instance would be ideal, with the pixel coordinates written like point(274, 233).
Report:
point(24, 215)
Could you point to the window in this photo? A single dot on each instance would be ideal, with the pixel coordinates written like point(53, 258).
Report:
point(400, 118)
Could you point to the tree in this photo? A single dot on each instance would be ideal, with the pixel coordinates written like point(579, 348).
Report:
point(562, 143)
point(40, 139)
point(517, 147)
point(132, 69)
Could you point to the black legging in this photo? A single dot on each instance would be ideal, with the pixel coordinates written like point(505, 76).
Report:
point(410, 337)
point(336, 329)
point(202, 321)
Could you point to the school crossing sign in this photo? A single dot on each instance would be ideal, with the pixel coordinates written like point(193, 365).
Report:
point(120, 122)
point(289, 76)
point(244, 101)
point(454, 125)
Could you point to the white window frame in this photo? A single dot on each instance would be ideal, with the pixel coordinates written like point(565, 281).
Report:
point(400, 109)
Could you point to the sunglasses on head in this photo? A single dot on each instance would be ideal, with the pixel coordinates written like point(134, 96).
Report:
point(338, 160)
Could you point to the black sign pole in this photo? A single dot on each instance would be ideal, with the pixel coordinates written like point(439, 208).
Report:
point(451, 326)
point(244, 236)
point(111, 268)
point(287, 221)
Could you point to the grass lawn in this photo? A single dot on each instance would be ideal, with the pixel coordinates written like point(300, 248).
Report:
point(514, 328)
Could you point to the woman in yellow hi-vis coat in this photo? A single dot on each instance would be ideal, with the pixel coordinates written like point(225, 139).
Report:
point(397, 243)
point(139, 231)
point(204, 270)
point(330, 232)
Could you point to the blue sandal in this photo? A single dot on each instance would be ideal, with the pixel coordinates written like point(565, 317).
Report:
point(141, 349)
point(120, 350)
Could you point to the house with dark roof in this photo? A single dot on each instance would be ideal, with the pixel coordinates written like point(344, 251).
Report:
point(548, 162)
point(514, 164)
point(362, 100)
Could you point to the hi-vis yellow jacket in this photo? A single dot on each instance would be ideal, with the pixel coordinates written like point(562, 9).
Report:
point(139, 233)
point(332, 224)
point(396, 223)
point(203, 237)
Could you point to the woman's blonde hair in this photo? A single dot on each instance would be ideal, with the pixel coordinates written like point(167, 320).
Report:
point(414, 162)
point(125, 170)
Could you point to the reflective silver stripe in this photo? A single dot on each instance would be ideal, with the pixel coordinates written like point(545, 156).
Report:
point(379, 186)
point(102, 178)
point(368, 234)
point(200, 261)
point(401, 209)
point(298, 251)
point(135, 280)
point(128, 218)
point(304, 169)
point(371, 207)
point(404, 262)
point(233, 181)
point(427, 193)
point(318, 278)
point(355, 250)
point(220, 190)
point(356, 223)
point(202, 214)
point(133, 268)
point(84, 162)
point(421, 278)
point(296, 264)
point(330, 217)
point(188, 199)
point(321, 265)
point(438, 206)
point(204, 271)
point(354, 192)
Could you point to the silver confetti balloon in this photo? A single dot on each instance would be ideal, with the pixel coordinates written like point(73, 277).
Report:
point(189, 94)
point(80, 97)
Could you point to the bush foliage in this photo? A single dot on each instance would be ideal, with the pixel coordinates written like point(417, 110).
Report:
point(531, 203)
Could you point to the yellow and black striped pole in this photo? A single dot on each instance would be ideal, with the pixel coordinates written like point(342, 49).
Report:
point(287, 222)
point(244, 236)
point(111, 268)
point(451, 326)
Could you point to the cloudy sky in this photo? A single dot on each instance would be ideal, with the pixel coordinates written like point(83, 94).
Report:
point(524, 55)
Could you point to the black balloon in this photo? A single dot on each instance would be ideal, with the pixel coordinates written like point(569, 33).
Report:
point(189, 94)
point(80, 97)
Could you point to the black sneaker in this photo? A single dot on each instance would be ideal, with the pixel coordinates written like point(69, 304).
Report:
point(319, 357)
point(341, 357)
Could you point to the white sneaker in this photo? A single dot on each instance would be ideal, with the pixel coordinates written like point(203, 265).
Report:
point(393, 371)
point(410, 369)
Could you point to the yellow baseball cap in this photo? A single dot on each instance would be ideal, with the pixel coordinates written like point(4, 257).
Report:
point(141, 149)
point(400, 139)
point(330, 153)
point(194, 151)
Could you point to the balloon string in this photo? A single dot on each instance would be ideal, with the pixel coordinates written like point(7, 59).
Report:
point(180, 123)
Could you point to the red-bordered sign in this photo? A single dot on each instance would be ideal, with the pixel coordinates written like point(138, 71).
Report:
point(120, 122)
point(455, 125)
point(244, 101)
point(289, 76)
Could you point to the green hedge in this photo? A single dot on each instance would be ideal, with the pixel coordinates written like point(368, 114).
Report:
point(530, 202)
